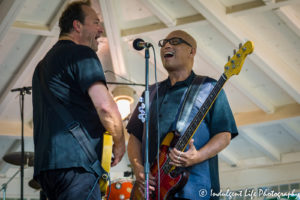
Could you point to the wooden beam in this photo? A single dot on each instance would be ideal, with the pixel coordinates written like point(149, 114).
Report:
point(114, 36)
point(9, 10)
point(41, 29)
point(159, 12)
point(11, 128)
point(252, 7)
point(149, 29)
point(260, 117)
point(190, 19)
point(142, 29)
point(244, 6)
point(264, 56)
point(288, 15)
point(34, 29)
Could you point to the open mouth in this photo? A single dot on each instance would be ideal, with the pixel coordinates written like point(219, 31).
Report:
point(169, 54)
point(97, 37)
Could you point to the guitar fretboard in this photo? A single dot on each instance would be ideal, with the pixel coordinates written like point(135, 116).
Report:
point(191, 129)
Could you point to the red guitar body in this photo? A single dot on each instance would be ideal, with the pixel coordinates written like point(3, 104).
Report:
point(171, 179)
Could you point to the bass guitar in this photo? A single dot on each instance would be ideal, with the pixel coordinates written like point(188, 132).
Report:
point(173, 179)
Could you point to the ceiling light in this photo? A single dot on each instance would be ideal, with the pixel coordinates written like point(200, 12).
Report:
point(123, 96)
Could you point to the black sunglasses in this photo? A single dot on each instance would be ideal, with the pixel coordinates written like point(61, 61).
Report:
point(172, 41)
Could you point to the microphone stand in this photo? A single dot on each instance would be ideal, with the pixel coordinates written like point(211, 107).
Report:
point(4, 185)
point(146, 165)
point(23, 91)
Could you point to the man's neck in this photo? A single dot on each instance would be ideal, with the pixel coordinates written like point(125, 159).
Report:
point(68, 37)
point(176, 76)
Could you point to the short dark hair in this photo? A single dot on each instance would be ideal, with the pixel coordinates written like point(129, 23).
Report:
point(72, 12)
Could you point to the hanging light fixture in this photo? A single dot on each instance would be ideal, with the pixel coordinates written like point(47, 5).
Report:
point(123, 96)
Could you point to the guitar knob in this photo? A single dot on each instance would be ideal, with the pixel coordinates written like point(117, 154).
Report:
point(226, 67)
point(142, 105)
point(141, 110)
point(142, 117)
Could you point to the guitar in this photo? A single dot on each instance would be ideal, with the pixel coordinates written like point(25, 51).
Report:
point(105, 161)
point(173, 179)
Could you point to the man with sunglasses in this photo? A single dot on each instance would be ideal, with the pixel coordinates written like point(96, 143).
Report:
point(177, 52)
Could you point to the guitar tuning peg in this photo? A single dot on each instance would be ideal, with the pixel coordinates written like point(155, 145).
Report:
point(228, 58)
point(240, 45)
point(234, 51)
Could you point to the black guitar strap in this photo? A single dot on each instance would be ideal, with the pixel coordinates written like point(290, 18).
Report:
point(73, 126)
point(188, 102)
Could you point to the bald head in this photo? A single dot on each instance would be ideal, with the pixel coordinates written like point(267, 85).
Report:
point(183, 35)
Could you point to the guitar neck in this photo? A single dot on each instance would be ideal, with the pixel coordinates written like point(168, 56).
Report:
point(191, 129)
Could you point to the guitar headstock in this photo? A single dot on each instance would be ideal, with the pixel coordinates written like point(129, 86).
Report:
point(235, 63)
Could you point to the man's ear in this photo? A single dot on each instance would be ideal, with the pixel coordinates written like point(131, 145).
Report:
point(76, 25)
point(193, 51)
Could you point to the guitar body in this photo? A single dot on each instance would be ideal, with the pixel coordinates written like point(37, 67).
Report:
point(106, 160)
point(172, 180)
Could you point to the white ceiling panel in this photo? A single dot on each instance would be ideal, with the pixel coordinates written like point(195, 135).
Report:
point(177, 8)
point(42, 8)
point(15, 54)
point(279, 138)
point(243, 149)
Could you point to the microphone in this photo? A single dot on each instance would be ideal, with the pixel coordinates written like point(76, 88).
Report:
point(23, 89)
point(139, 44)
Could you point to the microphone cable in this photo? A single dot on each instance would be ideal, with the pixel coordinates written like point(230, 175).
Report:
point(91, 191)
point(109, 187)
point(157, 122)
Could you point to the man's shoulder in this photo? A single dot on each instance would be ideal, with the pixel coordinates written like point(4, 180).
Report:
point(84, 50)
point(69, 47)
point(160, 83)
point(207, 79)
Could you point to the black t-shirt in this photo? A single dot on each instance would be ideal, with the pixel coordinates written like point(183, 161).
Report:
point(68, 70)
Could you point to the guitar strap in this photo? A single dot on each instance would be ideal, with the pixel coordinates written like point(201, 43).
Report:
point(74, 127)
point(188, 102)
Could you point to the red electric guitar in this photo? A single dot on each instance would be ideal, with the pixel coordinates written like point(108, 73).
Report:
point(171, 178)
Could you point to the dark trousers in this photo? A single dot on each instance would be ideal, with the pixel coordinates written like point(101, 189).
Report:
point(70, 184)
